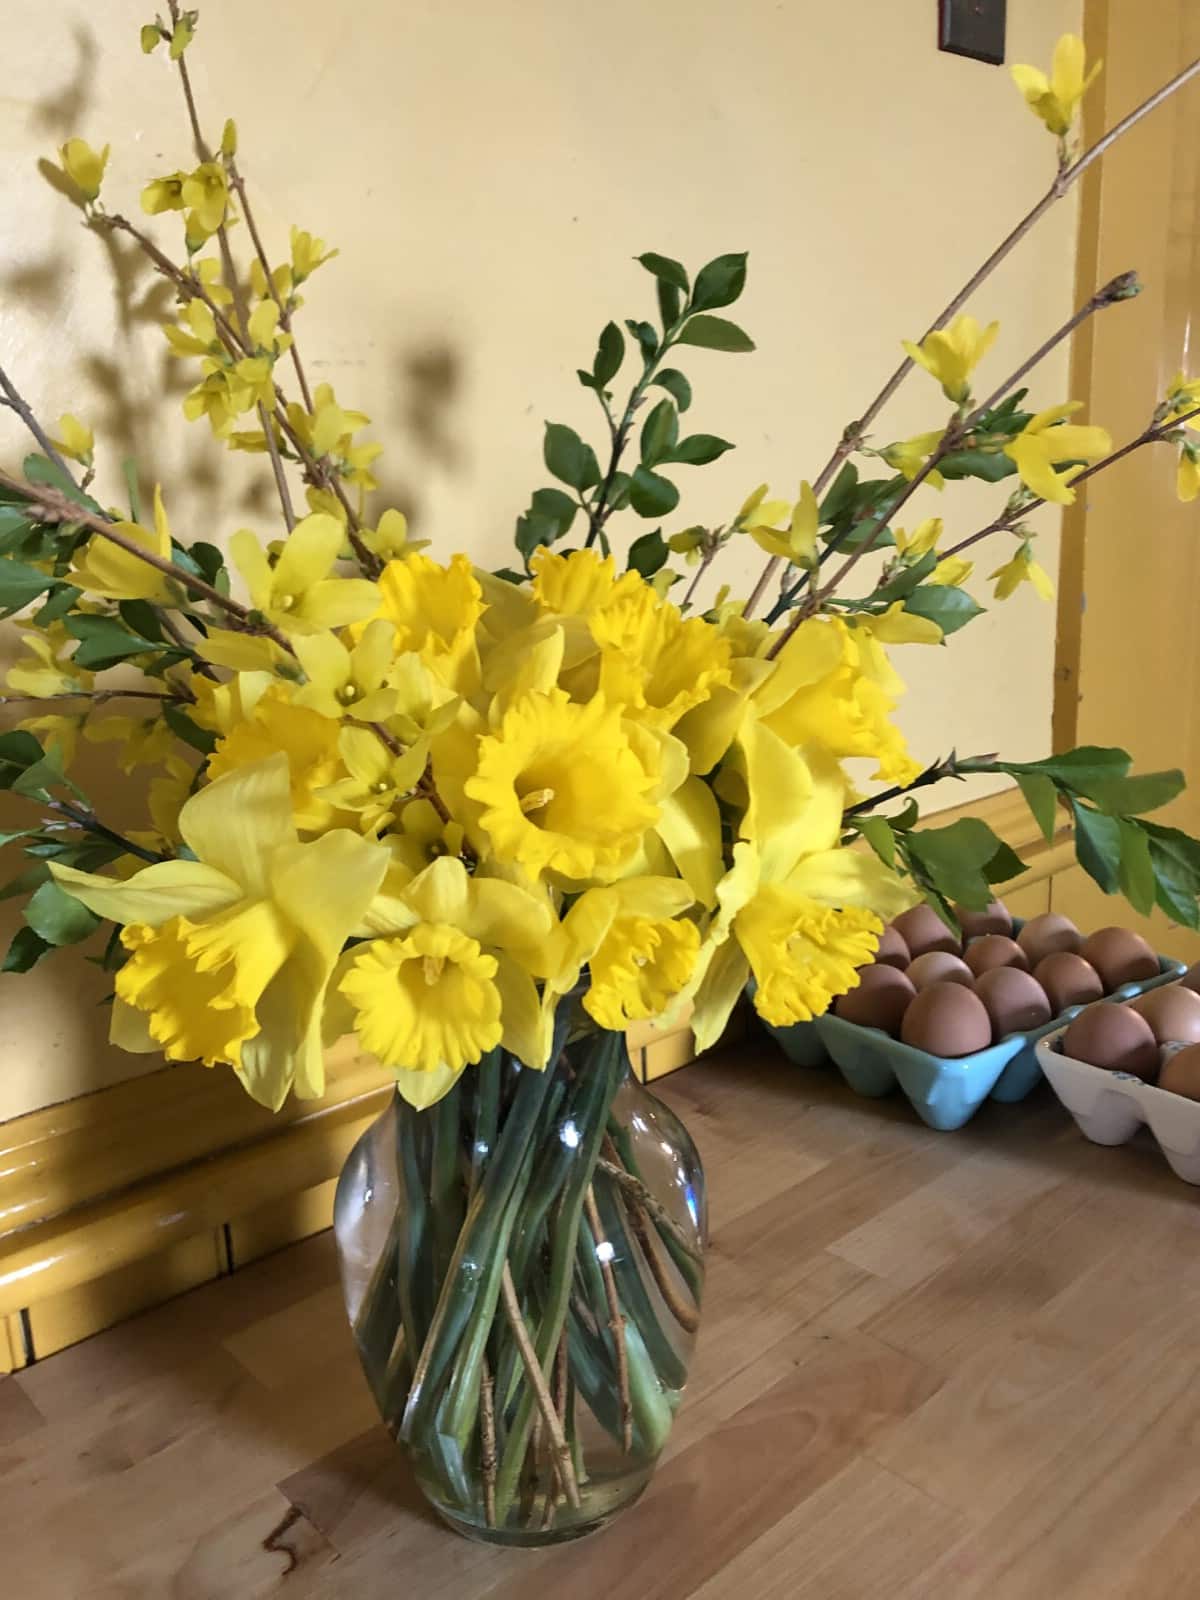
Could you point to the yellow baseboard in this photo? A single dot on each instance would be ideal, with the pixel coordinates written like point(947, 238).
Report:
point(123, 1198)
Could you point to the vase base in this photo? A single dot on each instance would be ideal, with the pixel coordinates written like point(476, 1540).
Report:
point(568, 1525)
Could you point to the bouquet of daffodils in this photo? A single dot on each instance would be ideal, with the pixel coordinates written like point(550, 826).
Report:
point(474, 818)
point(421, 802)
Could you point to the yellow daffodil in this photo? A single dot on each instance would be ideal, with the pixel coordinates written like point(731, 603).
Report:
point(104, 568)
point(308, 253)
point(1055, 98)
point(434, 610)
point(143, 741)
point(75, 439)
point(908, 456)
point(345, 680)
point(640, 967)
point(1187, 480)
point(43, 669)
point(310, 742)
point(1022, 569)
point(951, 572)
point(579, 583)
point(845, 708)
point(952, 353)
point(1045, 440)
point(796, 911)
point(924, 537)
point(300, 594)
point(448, 979)
point(84, 166)
point(538, 778)
point(378, 777)
point(231, 952)
point(656, 665)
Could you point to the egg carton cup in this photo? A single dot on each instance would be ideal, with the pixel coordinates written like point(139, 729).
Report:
point(1110, 1107)
point(944, 1091)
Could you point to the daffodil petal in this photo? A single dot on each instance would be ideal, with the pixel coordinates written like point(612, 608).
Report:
point(690, 827)
point(240, 819)
point(155, 894)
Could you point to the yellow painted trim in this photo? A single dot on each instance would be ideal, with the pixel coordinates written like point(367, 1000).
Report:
point(124, 1197)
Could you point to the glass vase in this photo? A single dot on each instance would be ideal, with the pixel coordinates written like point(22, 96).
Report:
point(522, 1266)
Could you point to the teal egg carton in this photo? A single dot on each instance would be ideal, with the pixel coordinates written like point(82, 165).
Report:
point(944, 1091)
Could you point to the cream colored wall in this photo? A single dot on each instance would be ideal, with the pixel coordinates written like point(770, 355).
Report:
point(488, 171)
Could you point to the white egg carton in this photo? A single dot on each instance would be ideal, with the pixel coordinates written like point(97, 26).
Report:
point(1111, 1106)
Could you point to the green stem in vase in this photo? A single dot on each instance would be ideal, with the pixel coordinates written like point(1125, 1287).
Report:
point(632, 1289)
point(447, 1202)
point(685, 1258)
point(601, 1078)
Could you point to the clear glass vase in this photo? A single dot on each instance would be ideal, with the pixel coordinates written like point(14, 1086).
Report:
point(522, 1266)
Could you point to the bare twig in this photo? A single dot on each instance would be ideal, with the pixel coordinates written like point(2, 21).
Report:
point(90, 823)
point(681, 1307)
point(487, 1434)
point(16, 402)
point(616, 1322)
point(96, 696)
point(560, 1405)
point(639, 1192)
point(1064, 179)
point(285, 316)
point(537, 1382)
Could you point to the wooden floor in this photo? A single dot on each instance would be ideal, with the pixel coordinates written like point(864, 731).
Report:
point(933, 1365)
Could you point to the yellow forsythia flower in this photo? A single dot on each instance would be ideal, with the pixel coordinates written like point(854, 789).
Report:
point(1187, 481)
point(798, 543)
point(924, 537)
point(144, 741)
point(105, 568)
point(205, 194)
point(164, 194)
point(951, 572)
point(43, 669)
point(908, 456)
point(1046, 440)
point(1055, 98)
point(84, 166)
point(308, 254)
point(229, 139)
point(952, 353)
point(75, 439)
point(1183, 394)
point(1022, 569)
point(300, 593)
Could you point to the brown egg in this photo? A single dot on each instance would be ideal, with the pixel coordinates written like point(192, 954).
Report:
point(947, 1020)
point(1044, 935)
point(995, 918)
point(922, 930)
point(994, 950)
point(1015, 1000)
point(1068, 980)
point(892, 951)
point(1191, 978)
point(883, 996)
point(941, 966)
point(1181, 1073)
point(1114, 1037)
point(1173, 1013)
point(1120, 956)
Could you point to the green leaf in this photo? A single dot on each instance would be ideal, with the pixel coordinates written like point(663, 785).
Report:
point(651, 495)
point(1078, 769)
point(877, 831)
point(950, 608)
point(649, 553)
point(720, 282)
point(182, 726)
point(19, 749)
point(670, 304)
point(211, 563)
point(57, 917)
point(646, 335)
point(955, 859)
point(38, 469)
point(676, 385)
point(1182, 846)
point(989, 465)
point(906, 818)
point(1005, 864)
point(610, 352)
point(25, 951)
point(715, 333)
point(556, 506)
point(62, 598)
point(663, 267)
point(906, 579)
point(1144, 791)
point(1176, 883)
point(141, 618)
point(1042, 799)
point(1135, 873)
point(568, 458)
point(103, 641)
point(659, 433)
point(39, 780)
point(840, 495)
point(698, 449)
point(1097, 845)
point(17, 833)
point(20, 584)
